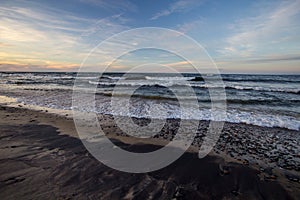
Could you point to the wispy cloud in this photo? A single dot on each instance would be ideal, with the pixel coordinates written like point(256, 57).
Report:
point(119, 5)
point(106, 26)
point(20, 24)
point(14, 66)
point(178, 7)
point(256, 33)
point(273, 59)
point(190, 26)
point(51, 35)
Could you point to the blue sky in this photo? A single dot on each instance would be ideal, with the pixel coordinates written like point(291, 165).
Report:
point(240, 36)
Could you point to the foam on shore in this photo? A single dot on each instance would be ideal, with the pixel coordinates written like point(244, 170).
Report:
point(12, 102)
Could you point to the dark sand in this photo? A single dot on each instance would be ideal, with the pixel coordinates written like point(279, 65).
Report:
point(41, 158)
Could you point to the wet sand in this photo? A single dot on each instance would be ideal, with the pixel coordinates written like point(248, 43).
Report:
point(42, 158)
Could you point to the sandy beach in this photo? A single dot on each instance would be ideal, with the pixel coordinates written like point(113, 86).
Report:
point(42, 158)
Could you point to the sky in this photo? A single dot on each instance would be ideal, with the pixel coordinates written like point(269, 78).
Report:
point(255, 36)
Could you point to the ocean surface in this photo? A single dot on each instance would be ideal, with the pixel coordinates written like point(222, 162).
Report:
point(264, 100)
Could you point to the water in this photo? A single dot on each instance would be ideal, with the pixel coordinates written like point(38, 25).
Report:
point(264, 100)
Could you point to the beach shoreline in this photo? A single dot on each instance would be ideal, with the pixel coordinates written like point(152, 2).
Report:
point(227, 157)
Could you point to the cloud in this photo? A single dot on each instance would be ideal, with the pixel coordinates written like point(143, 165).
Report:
point(35, 25)
point(256, 33)
point(2, 44)
point(178, 64)
point(178, 7)
point(106, 26)
point(274, 59)
point(261, 64)
point(190, 26)
point(46, 34)
point(119, 5)
point(33, 67)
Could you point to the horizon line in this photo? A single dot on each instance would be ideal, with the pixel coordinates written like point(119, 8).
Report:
point(122, 72)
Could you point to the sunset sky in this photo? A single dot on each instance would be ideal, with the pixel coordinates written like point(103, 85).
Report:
point(240, 36)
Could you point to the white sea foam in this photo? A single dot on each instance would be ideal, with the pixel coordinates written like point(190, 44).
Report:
point(170, 78)
point(140, 110)
point(162, 82)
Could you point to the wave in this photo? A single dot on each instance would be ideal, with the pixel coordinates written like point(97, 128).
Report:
point(39, 82)
point(24, 82)
point(204, 86)
point(260, 80)
point(172, 111)
point(87, 77)
point(226, 79)
point(153, 97)
point(157, 78)
point(131, 83)
point(112, 77)
point(170, 78)
point(265, 120)
point(273, 102)
point(153, 83)
point(205, 98)
point(284, 90)
point(276, 102)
